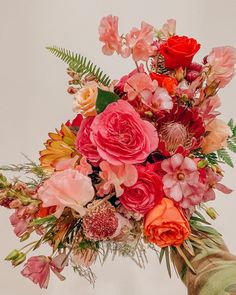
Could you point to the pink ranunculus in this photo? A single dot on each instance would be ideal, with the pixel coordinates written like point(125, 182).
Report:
point(84, 144)
point(221, 61)
point(138, 83)
point(145, 193)
point(213, 182)
point(109, 35)
point(68, 188)
point(37, 269)
point(168, 30)
point(121, 136)
point(115, 176)
point(182, 181)
point(140, 42)
point(218, 133)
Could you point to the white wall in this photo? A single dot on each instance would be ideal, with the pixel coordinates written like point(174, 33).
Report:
point(34, 101)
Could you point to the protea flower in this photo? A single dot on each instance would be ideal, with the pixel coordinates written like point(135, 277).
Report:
point(60, 146)
point(180, 131)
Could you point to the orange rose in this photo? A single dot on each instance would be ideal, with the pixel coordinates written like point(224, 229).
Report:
point(219, 132)
point(165, 225)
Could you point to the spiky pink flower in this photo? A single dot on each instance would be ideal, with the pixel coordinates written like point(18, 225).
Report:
point(101, 222)
point(182, 181)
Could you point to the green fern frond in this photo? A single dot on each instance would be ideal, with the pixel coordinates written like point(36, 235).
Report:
point(80, 64)
point(225, 157)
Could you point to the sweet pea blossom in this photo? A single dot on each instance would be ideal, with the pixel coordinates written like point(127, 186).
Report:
point(168, 29)
point(182, 181)
point(221, 62)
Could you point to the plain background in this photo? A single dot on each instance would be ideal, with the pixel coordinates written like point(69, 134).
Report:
point(34, 101)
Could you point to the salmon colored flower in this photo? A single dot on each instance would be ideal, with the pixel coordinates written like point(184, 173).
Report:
point(85, 100)
point(68, 188)
point(221, 61)
point(167, 82)
point(168, 29)
point(165, 225)
point(217, 134)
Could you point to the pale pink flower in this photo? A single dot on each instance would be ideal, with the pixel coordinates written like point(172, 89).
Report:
point(181, 181)
point(222, 62)
point(37, 269)
point(218, 133)
point(66, 163)
point(123, 229)
point(115, 176)
point(108, 32)
point(140, 42)
point(68, 188)
point(208, 108)
point(157, 101)
point(168, 30)
point(137, 83)
point(84, 167)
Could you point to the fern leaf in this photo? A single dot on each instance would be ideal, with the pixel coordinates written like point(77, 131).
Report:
point(231, 124)
point(80, 64)
point(231, 145)
point(224, 156)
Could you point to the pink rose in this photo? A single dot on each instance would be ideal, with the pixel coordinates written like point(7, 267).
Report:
point(145, 193)
point(121, 136)
point(84, 144)
point(68, 188)
point(221, 61)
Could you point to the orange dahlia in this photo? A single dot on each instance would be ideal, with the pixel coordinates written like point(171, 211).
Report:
point(60, 146)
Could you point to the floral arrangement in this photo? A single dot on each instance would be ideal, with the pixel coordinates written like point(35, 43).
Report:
point(136, 166)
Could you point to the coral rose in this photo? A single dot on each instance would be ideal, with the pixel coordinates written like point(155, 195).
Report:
point(85, 100)
point(165, 225)
point(145, 193)
point(178, 51)
point(218, 133)
point(121, 136)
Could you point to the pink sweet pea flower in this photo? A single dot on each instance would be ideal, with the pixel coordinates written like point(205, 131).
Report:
point(66, 163)
point(37, 269)
point(140, 42)
point(108, 32)
point(168, 30)
point(116, 176)
point(68, 188)
point(221, 61)
point(138, 83)
point(213, 182)
point(182, 182)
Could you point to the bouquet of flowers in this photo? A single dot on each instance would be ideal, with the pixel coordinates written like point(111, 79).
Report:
point(136, 166)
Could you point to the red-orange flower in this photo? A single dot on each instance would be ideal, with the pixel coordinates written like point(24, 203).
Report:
point(165, 225)
point(167, 82)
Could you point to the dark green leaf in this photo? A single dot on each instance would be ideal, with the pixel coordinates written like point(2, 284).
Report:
point(104, 98)
point(231, 123)
point(162, 254)
point(167, 255)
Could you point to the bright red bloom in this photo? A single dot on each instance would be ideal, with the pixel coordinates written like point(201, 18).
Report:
point(76, 122)
point(167, 82)
point(43, 212)
point(178, 51)
point(145, 193)
point(180, 131)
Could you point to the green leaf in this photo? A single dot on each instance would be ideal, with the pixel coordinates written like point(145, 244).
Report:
point(167, 255)
point(224, 156)
point(104, 98)
point(231, 124)
point(39, 221)
point(207, 229)
point(231, 146)
point(231, 288)
point(162, 254)
point(80, 64)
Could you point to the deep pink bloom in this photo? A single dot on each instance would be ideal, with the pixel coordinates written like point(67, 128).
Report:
point(140, 42)
point(213, 182)
point(37, 269)
point(108, 32)
point(68, 188)
point(182, 181)
point(222, 61)
point(145, 193)
point(84, 144)
point(121, 136)
point(115, 176)
point(76, 122)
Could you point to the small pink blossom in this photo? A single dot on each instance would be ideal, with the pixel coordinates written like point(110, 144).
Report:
point(221, 61)
point(213, 182)
point(68, 188)
point(37, 269)
point(109, 35)
point(84, 167)
point(168, 30)
point(66, 163)
point(116, 176)
point(208, 108)
point(181, 182)
point(140, 42)
point(138, 83)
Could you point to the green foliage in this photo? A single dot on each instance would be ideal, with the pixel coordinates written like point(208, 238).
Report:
point(211, 158)
point(104, 98)
point(80, 64)
point(225, 157)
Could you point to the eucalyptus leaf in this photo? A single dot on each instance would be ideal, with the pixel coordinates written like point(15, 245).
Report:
point(104, 98)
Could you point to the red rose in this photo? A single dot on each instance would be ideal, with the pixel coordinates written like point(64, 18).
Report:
point(145, 193)
point(179, 51)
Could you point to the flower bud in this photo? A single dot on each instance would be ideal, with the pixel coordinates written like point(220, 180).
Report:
point(202, 164)
point(180, 74)
point(20, 259)
point(25, 236)
point(12, 255)
point(212, 213)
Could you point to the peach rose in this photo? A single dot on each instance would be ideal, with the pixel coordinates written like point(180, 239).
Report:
point(85, 100)
point(165, 225)
point(218, 133)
